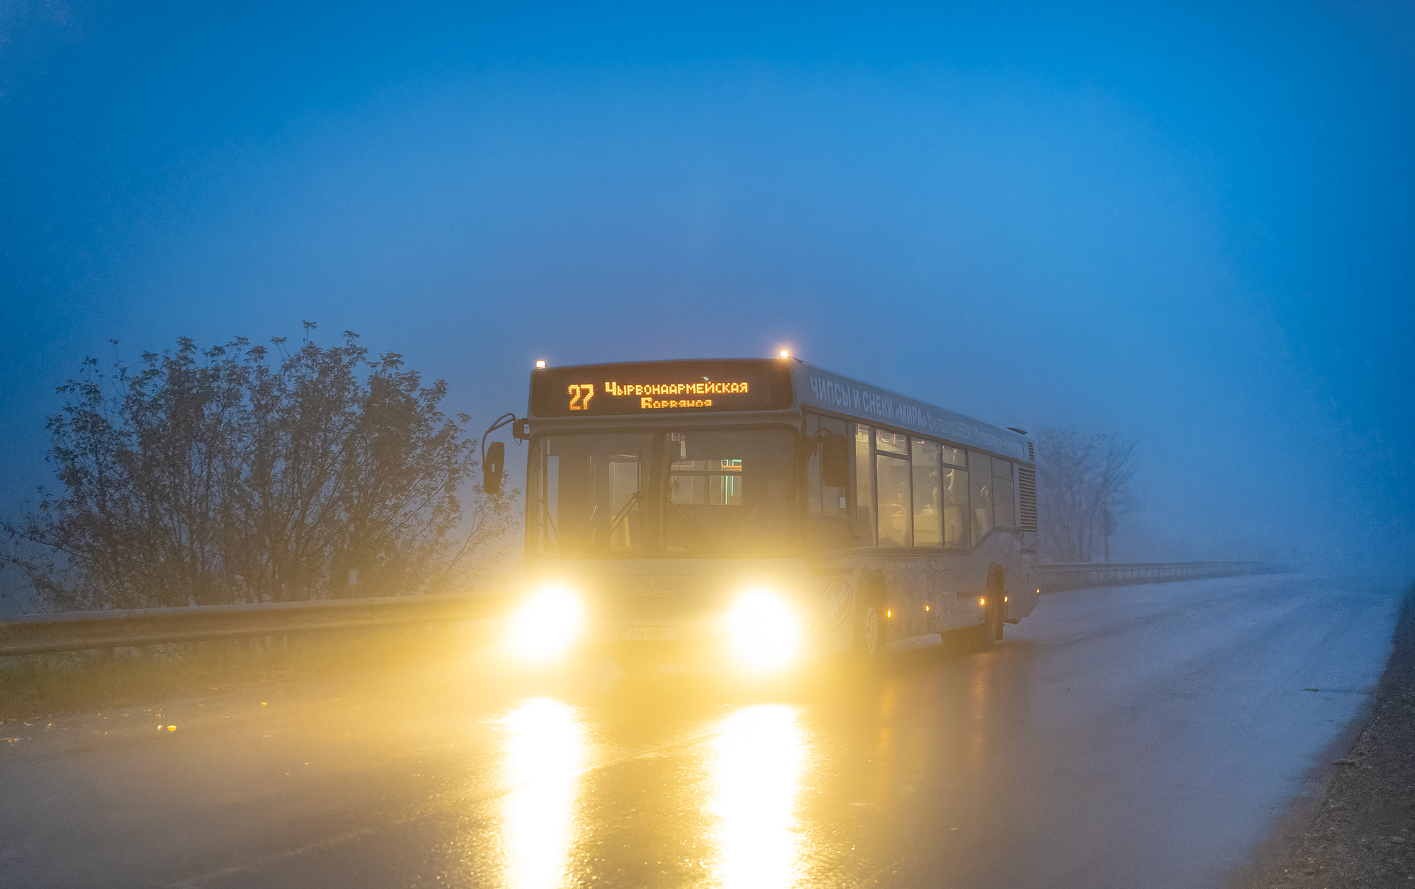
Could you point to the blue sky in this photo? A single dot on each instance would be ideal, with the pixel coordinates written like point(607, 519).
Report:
point(1189, 225)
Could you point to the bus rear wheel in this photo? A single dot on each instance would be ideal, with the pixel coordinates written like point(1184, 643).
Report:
point(978, 637)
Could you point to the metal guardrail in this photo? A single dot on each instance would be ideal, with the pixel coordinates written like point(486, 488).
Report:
point(1082, 575)
point(78, 630)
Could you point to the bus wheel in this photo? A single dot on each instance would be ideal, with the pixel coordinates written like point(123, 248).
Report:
point(869, 632)
point(979, 637)
point(869, 627)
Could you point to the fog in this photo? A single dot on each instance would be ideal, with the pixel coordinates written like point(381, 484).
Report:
point(1190, 227)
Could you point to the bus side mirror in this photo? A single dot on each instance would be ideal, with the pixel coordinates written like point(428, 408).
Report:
point(493, 468)
point(835, 461)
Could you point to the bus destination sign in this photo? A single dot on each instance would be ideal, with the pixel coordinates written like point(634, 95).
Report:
point(660, 386)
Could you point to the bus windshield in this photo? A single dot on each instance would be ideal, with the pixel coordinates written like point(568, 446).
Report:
point(664, 494)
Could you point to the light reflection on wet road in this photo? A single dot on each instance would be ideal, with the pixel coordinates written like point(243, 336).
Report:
point(756, 768)
point(1142, 736)
point(544, 754)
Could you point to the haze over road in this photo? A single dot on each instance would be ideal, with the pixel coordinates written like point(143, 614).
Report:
point(1135, 736)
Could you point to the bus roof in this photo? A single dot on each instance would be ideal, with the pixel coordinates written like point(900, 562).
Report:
point(816, 387)
point(750, 385)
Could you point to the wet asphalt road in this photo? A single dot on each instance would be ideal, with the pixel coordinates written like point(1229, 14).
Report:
point(1145, 736)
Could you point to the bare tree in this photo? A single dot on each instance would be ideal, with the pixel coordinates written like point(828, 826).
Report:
point(1083, 486)
point(216, 476)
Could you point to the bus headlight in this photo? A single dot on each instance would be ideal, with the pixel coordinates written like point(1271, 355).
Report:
point(764, 633)
point(546, 624)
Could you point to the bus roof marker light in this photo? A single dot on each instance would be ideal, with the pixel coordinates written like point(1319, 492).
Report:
point(785, 354)
point(540, 363)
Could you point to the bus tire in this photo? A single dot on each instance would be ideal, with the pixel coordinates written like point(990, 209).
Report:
point(998, 606)
point(995, 613)
point(869, 623)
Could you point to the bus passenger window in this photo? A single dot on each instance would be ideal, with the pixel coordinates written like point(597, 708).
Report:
point(1002, 494)
point(891, 443)
point(980, 466)
point(928, 506)
point(864, 488)
point(955, 508)
point(895, 513)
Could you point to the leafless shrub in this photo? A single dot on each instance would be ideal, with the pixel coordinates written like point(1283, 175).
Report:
point(1083, 486)
point(220, 476)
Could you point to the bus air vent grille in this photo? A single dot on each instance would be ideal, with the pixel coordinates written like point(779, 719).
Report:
point(1027, 497)
point(1031, 452)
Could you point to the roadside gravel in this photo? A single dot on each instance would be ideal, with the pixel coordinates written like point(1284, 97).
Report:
point(1363, 834)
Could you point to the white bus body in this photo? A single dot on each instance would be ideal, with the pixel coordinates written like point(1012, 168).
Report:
point(697, 508)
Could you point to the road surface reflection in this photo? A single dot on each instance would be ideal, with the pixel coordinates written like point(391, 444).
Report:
point(545, 752)
point(756, 770)
point(1115, 740)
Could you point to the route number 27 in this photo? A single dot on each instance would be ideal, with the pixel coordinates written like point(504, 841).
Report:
point(580, 395)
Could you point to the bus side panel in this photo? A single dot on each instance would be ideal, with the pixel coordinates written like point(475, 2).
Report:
point(928, 593)
point(932, 593)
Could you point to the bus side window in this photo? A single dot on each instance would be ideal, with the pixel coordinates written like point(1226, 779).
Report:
point(1002, 494)
point(955, 508)
point(864, 518)
point(828, 514)
point(896, 512)
point(928, 500)
point(955, 498)
point(980, 472)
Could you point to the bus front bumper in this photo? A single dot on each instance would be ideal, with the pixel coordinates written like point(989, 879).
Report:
point(761, 633)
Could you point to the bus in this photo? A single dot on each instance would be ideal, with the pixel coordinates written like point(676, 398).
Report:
point(762, 511)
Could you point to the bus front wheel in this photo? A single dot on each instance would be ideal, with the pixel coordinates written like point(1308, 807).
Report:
point(869, 626)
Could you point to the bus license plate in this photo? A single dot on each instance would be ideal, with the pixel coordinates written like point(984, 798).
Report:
point(649, 634)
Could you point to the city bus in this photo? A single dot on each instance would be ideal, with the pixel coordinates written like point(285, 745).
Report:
point(762, 511)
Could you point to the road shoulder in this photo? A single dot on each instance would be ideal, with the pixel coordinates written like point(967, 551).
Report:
point(1361, 832)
